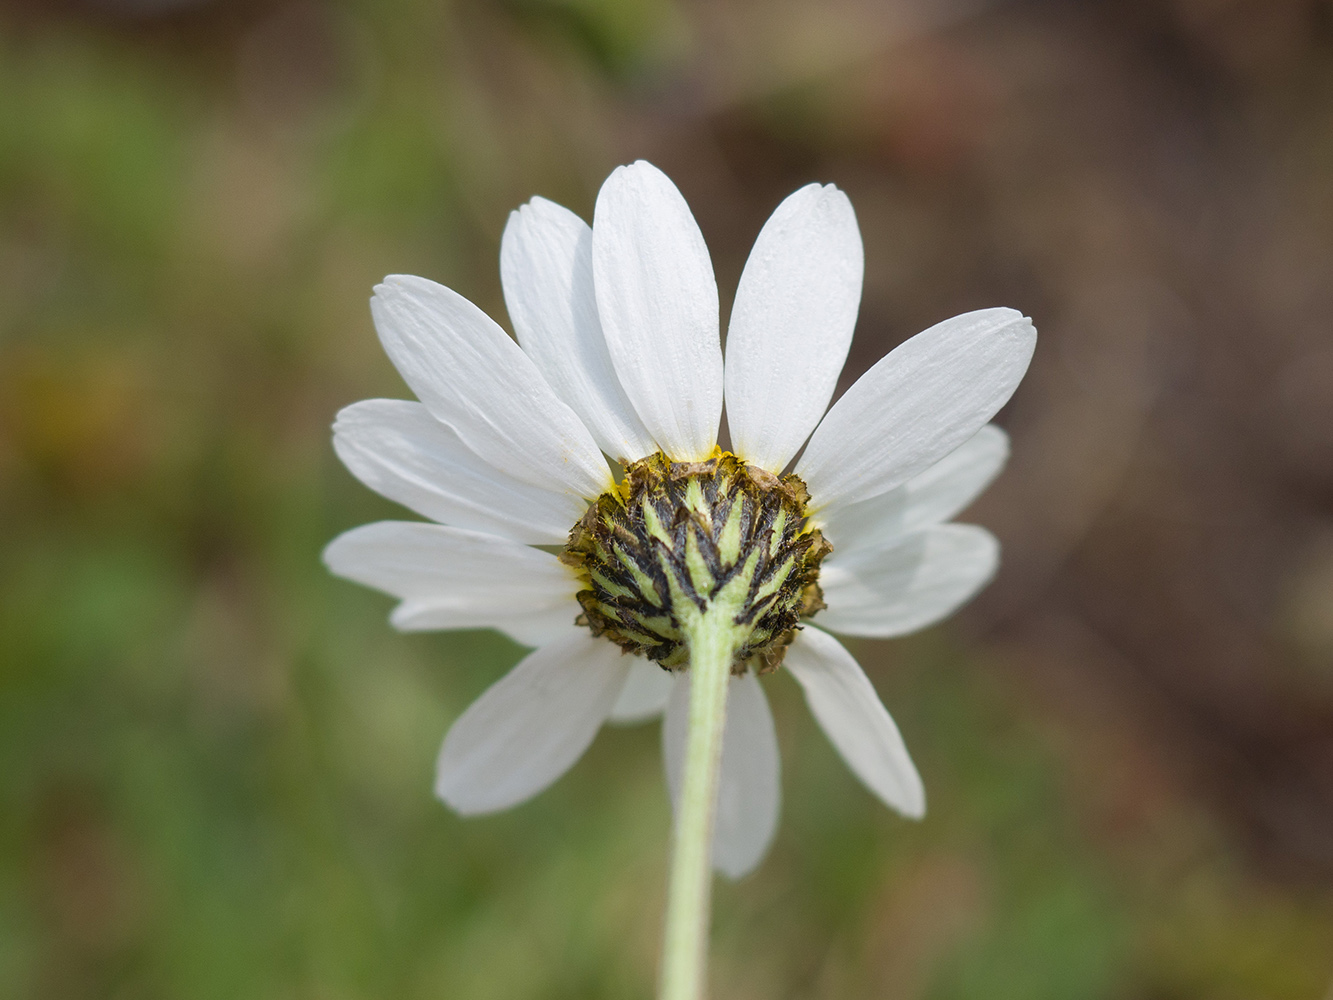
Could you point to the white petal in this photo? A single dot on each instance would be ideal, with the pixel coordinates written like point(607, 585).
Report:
point(529, 727)
point(546, 270)
point(455, 578)
point(930, 497)
point(647, 687)
point(791, 324)
point(527, 628)
point(908, 585)
point(749, 796)
point(848, 709)
point(400, 451)
point(749, 790)
point(918, 403)
point(474, 378)
point(657, 299)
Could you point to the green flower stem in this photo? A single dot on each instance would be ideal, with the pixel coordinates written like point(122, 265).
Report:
point(713, 639)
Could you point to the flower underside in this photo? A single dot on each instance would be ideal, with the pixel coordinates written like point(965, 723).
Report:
point(676, 540)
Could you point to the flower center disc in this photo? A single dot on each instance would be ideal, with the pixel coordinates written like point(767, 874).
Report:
point(674, 540)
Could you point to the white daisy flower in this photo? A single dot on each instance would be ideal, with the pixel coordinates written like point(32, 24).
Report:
point(618, 354)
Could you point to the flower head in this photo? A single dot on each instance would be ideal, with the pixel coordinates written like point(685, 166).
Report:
point(618, 355)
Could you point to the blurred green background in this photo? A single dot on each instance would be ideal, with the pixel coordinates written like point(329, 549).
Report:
point(215, 760)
